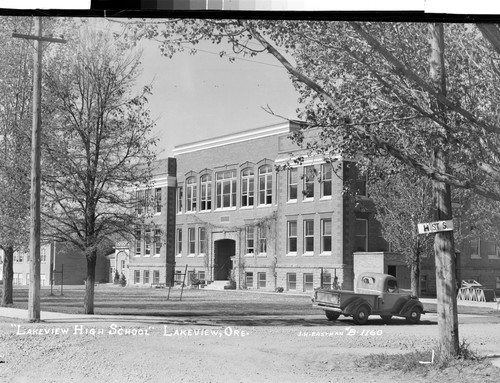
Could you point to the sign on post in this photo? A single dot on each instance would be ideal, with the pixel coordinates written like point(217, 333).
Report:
point(433, 227)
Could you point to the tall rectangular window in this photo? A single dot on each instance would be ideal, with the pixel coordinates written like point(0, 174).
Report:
point(475, 248)
point(292, 183)
point(265, 185)
point(156, 277)
point(140, 200)
point(250, 239)
point(292, 237)
point(308, 236)
point(147, 242)
point(309, 176)
point(145, 277)
point(158, 200)
point(179, 199)
point(191, 241)
point(249, 279)
point(138, 247)
point(157, 241)
point(326, 180)
point(361, 235)
point(326, 235)
point(137, 276)
point(226, 189)
point(262, 240)
point(202, 240)
point(147, 201)
point(247, 187)
point(191, 196)
point(308, 282)
point(206, 192)
point(43, 254)
point(178, 241)
point(291, 281)
point(261, 277)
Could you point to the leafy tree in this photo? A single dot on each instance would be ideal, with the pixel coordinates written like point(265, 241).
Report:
point(368, 85)
point(15, 142)
point(98, 146)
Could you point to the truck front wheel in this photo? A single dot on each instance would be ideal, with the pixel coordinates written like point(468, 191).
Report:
point(332, 315)
point(414, 315)
point(361, 315)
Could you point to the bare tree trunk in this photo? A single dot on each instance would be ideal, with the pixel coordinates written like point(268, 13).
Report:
point(88, 303)
point(444, 248)
point(8, 276)
point(415, 275)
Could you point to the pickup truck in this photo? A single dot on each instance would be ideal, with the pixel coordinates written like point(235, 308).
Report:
point(374, 294)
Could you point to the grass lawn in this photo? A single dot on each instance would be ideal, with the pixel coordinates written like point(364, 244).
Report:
point(111, 299)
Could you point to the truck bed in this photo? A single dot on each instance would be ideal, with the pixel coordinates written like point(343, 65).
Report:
point(338, 299)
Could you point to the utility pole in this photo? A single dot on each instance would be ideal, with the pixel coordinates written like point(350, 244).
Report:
point(34, 282)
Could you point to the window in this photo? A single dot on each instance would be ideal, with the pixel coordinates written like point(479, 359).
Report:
point(138, 247)
point(202, 240)
point(178, 237)
point(423, 284)
point(291, 281)
point(249, 279)
point(140, 202)
point(292, 237)
point(191, 194)
point(327, 280)
point(226, 189)
point(261, 277)
point(262, 240)
point(265, 185)
point(326, 235)
point(475, 248)
point(147, 243)
point(137, 276)
point(292, 184)
point(497, 279)
point(179, 199)
point(157, 241)
point(156, 277)
point(491, 249)
point(308, 282)
point(206, 192)
point(191, 241)
point(178, 276)
point(326, 180)
point(42, 279)
point(201, 275)
point(249, 233)
point(147, 201)
point(123, 264)
point(158, 200)
point(43, 254)
point(361, 235)
point(309, 175)
point(145, 277)
point(308, 236)
point(247, 187)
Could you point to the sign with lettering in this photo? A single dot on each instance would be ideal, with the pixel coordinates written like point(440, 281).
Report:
point(432, 227)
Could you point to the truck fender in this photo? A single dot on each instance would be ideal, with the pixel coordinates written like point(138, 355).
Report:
point(354, 304)
point(405, 310)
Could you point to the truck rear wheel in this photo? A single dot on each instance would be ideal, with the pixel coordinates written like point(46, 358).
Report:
point(332, 315)
point(361, 315)
point(414, 315)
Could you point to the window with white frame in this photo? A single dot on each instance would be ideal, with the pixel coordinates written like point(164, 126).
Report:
point(140, 202)
point(491, 249)
point(292, 237)
point(147, 243)
point(225, 189)
point(309, 176)
point(262, 240)
point(309, 236)
point(178, 242)
point(158, 200)
point(291, 281)
point(156, 277)
point(249, 279)
point(191, 241)
point(308, 282)
point(137, 276)
point(250, 239)
point(157, 241)
point(292, 184)
point(202, 240)
point(326, 235)
point(206, 192)
point(261, 280)
point(145, 277)
point(147, 201)
point(247, 187)
point(138, 243)
point(265, 185)
point(361, 235)
point(191, 195)
point(179, 199)
point(43, 254)
point(326, 180)
point(475, 248)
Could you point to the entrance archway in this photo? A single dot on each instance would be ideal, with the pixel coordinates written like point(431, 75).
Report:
point(224, 250)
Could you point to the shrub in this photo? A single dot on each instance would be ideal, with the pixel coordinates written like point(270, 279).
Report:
point(123, 280)
point(279, 289)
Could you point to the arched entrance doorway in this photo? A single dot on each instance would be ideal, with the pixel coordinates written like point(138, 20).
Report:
point(224, 250)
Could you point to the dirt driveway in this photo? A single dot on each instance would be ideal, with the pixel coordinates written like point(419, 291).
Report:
point(262, 348)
